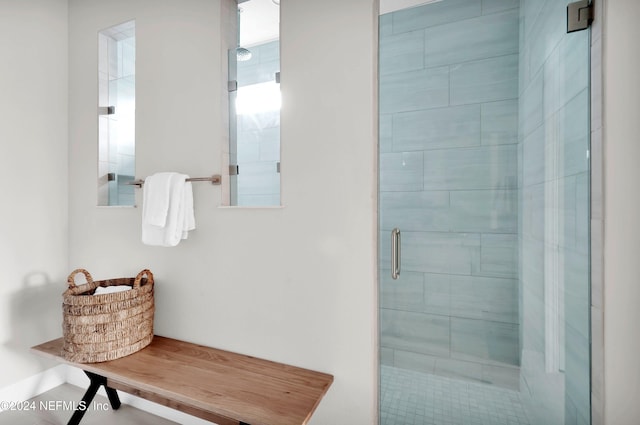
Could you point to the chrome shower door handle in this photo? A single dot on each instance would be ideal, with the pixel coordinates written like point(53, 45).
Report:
point(395, 253)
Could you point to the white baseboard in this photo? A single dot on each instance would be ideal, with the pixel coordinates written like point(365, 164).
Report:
point(76, 377)
point(34, 385)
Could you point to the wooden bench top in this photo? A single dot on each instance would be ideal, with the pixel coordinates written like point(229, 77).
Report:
point(220, 386)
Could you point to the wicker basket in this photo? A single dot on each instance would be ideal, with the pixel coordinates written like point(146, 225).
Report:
point(104, 327)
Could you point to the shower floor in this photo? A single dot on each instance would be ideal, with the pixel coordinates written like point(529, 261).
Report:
point(415, 398)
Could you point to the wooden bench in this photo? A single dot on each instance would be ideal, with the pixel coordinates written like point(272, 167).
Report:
point(215, 385)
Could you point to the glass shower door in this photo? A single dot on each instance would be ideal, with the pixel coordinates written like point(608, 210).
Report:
point(484, 170)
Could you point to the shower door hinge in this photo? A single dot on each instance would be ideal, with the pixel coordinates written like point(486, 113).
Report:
point(106, 110)
point(232, 86)
point(579, 15)
point(234, 170)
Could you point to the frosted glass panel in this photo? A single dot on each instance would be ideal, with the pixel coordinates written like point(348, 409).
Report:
point(484, 154)
point(116, 119)
point(254, 103)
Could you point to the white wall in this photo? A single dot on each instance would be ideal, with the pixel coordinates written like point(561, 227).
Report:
point(621, 63)
point(33, 171)
point(295, 284)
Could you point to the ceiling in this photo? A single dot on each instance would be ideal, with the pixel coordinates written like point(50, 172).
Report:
point(259, 22)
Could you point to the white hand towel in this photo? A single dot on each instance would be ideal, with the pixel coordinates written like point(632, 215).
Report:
point(179, 216)
point(175, 216)
point(189, 215)
point(155, 202)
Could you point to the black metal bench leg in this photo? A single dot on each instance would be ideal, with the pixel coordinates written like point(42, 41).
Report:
point(113, 398)
point(96, 382)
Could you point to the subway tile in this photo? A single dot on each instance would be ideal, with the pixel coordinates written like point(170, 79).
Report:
point(126, 165)
point(128, 57)
point(401, 53)
point(113, 193)
point(248, 146)
point(406, 293)
point(269, 143)
point(437, 128)
point(385, 133)
point(254, 73)
point(524, 74)
point(414, 90)
point(478, 38)
point(415, 211)
point(401, 171)
point(253, 200)
point(258, 178)
point(485, 80)
point(415, 332)
point(258, 121)
point(575, 268)
point(505, 377)
point(112, 51)
point(534, 155)
point(385, 25)
point(570, 412)
point(435, 14)
point(434, 252)
point(560, 207)
point(386, 356)
point(489, 211)
point(577, 370)
point(437, 294)
point(384, 251)
point(499, 256)
point(533, 321)
point(532, 307)
point(459, 369)
point(126, 199)
point(493, 6)
point(415, 361)
point(531, 106)
point(499, 122)
point(583, 224)
point(548, 29)
point(486, 167)
point(484, 341)
point(520, 176)
point(566, 71)
point(530, 10)
point(268, 52)
point(569, 134)
point(492, 299)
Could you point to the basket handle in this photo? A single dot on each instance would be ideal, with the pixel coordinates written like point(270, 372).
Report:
point(136, 282)
point(72, 283)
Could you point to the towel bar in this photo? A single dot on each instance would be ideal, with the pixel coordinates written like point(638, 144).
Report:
point(215, 179)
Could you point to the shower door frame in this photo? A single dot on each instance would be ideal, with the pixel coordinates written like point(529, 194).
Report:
point(596, 217)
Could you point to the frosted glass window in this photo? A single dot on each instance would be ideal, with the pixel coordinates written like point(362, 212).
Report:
point(116, 114)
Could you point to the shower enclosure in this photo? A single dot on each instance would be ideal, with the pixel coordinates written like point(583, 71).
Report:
point(484, 212)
